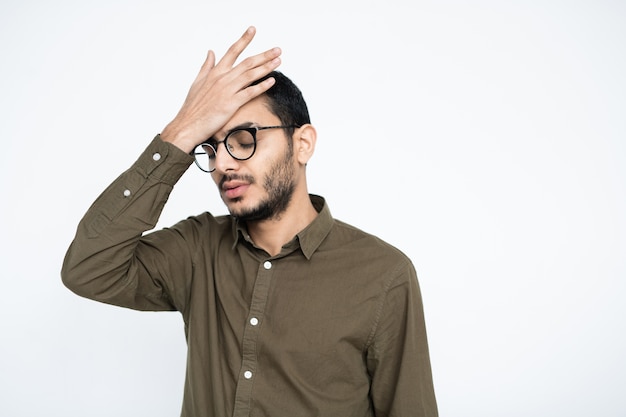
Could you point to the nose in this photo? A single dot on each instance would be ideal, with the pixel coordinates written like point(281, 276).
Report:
point(224, 162)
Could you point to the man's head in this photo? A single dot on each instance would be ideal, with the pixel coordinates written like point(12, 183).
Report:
point(285, 100)
point(263, 186)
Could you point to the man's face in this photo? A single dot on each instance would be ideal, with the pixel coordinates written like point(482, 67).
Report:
point(261, 187)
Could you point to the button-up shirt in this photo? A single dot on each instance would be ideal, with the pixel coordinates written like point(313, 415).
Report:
point(331, 326)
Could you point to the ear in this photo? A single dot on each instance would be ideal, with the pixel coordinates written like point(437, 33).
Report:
point(305, 138)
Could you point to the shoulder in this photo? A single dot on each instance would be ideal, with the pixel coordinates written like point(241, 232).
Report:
point(365, 250)
point(345, 233)
point(199, 229)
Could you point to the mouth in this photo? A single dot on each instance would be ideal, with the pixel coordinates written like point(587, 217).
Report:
point(234, 189)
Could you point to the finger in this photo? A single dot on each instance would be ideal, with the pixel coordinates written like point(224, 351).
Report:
point(261, 71)
point(207, 65)
point(249, 91)
point(209, 62)
point(260, 59)
point(237, 48)
point(255, 67)
point(256, 90)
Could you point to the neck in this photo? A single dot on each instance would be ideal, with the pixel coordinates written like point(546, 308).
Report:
point(272, 234)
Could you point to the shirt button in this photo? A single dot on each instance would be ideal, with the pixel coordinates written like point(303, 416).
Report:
point(126, 193)
point(267, 265)
point(254, 321)
point(247, 374)
point(156, 156)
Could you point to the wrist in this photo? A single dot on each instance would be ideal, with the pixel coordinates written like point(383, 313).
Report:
point(179, 138)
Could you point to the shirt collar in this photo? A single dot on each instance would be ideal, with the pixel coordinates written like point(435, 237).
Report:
point(310, 238)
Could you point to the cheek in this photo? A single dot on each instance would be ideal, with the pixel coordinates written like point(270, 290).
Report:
point(216, 178)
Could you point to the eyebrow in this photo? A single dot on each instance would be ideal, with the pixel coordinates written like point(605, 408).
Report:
point(243, 125)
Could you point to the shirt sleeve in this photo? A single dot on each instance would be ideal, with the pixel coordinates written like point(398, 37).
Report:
point(108, 260)
point(398, 358)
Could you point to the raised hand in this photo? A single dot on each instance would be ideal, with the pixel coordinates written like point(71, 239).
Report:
point(219, 91)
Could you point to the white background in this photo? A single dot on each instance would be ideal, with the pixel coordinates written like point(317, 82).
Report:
point(485, 139)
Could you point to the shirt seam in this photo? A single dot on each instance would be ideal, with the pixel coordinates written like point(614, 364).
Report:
point(383, 303)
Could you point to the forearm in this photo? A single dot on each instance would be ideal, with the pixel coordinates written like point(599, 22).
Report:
point(101, 262)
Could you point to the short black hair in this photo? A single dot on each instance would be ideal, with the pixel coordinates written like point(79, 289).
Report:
point(285, 100)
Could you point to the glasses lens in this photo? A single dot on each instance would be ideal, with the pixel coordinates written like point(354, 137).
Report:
point(204, 155)
point(240, 144)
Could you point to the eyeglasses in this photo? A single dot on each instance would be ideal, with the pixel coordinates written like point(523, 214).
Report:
point(240, 144)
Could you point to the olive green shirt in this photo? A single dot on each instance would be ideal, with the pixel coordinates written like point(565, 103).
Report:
point(332, 326)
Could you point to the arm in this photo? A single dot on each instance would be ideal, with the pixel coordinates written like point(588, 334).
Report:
point(108, 260)
point(398, 359)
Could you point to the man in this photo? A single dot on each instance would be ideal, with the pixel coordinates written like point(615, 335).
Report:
point(287, 311)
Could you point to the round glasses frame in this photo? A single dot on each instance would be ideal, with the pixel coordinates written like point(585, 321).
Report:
point(214, 144)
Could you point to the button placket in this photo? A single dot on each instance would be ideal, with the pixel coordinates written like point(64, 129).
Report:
point(252, 330)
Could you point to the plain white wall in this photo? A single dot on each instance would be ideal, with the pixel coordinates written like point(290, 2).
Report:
point(485, 139)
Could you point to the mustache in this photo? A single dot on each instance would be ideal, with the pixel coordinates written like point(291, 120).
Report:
point(236, 177)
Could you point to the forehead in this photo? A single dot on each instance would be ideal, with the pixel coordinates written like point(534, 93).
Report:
point(256, 112)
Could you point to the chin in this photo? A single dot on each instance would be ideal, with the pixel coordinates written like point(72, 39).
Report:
point(238, 209)
point(256, 213)
point(235, 208)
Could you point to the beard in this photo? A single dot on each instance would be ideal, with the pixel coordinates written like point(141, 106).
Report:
point(279, 184)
